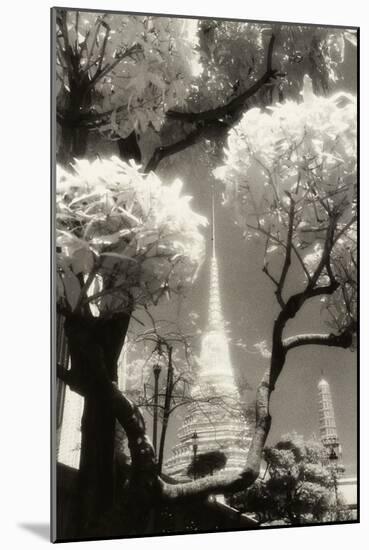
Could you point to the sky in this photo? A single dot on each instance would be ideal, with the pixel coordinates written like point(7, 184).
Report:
point(249, 308)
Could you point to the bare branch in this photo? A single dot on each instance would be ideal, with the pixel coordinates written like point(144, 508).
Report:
point(263, 231)
point(287, 258)
point(67, 51)
point(267, 272)
point(301, 261)
point(110, 66)
point(76, 29)
point(93, 44)
point(103, 46)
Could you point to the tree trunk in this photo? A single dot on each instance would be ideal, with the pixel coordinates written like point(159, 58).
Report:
point(166, 413)
point(95, 344)
point(129, 148)
point(73, 143)
point(73, 135)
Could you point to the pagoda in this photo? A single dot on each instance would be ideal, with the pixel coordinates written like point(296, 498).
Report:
point(328, 428)
point(214, 420)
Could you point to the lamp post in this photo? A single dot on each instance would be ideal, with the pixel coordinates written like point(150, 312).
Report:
point(194, 447)
point(157, 370)
point(333, 458)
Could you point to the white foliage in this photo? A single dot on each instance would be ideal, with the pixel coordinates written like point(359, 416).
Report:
point(306, 149)
point(140, 237)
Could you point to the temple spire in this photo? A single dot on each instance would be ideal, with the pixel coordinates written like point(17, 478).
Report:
point(215, 317)
point(217, 424)
point(215, 359)
point(213, 220)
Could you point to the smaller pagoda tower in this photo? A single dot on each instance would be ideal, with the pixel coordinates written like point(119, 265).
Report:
point(327, 426)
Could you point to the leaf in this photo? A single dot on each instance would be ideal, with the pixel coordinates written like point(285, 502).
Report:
point(67, 239)
point(113, 238)
point(146, 238)
point(155, 79)
point(220, 172)
point(82, 261)
point(142, 119)
point(139, 81)
point(81, 38)
point(119, 256)
point(84, 199)
point(147, 218)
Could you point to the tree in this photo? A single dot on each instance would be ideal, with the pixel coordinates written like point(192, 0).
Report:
point(206, 464)
point(296, 487)
point(115, 74)
point(159, 85)
point(123, 240)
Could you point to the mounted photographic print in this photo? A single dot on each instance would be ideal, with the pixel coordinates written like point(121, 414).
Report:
point(204, 275)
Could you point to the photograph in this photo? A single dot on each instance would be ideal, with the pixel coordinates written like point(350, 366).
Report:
point(204, 274)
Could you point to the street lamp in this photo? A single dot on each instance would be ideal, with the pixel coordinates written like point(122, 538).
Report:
point(333, 458)
point(157, 370)
point(194, 440)
point(333, 455)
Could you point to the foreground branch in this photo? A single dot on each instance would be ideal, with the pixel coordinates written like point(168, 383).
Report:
point(166, 150)
point(235, 104)
point(209, 130)
point(343, 340)
point(222, 483)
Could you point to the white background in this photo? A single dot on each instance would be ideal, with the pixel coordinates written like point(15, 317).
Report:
point(25, 243)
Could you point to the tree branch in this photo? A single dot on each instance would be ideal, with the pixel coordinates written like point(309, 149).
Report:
point(287, 258)
point(76, 29)
point(265, 270)
point(89, 55)
point(325, 259)
point(68, 378)
point(342, 340)
point(212, 118)
point(345, 228)
point(228, 483)
point(235, 104)
point(67, 51)
point(166, 150)
point(103, 46)
point(110, 66)
point(301, 262)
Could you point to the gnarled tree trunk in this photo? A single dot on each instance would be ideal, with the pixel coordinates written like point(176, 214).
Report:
point(95, 345)
point(73, 134)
